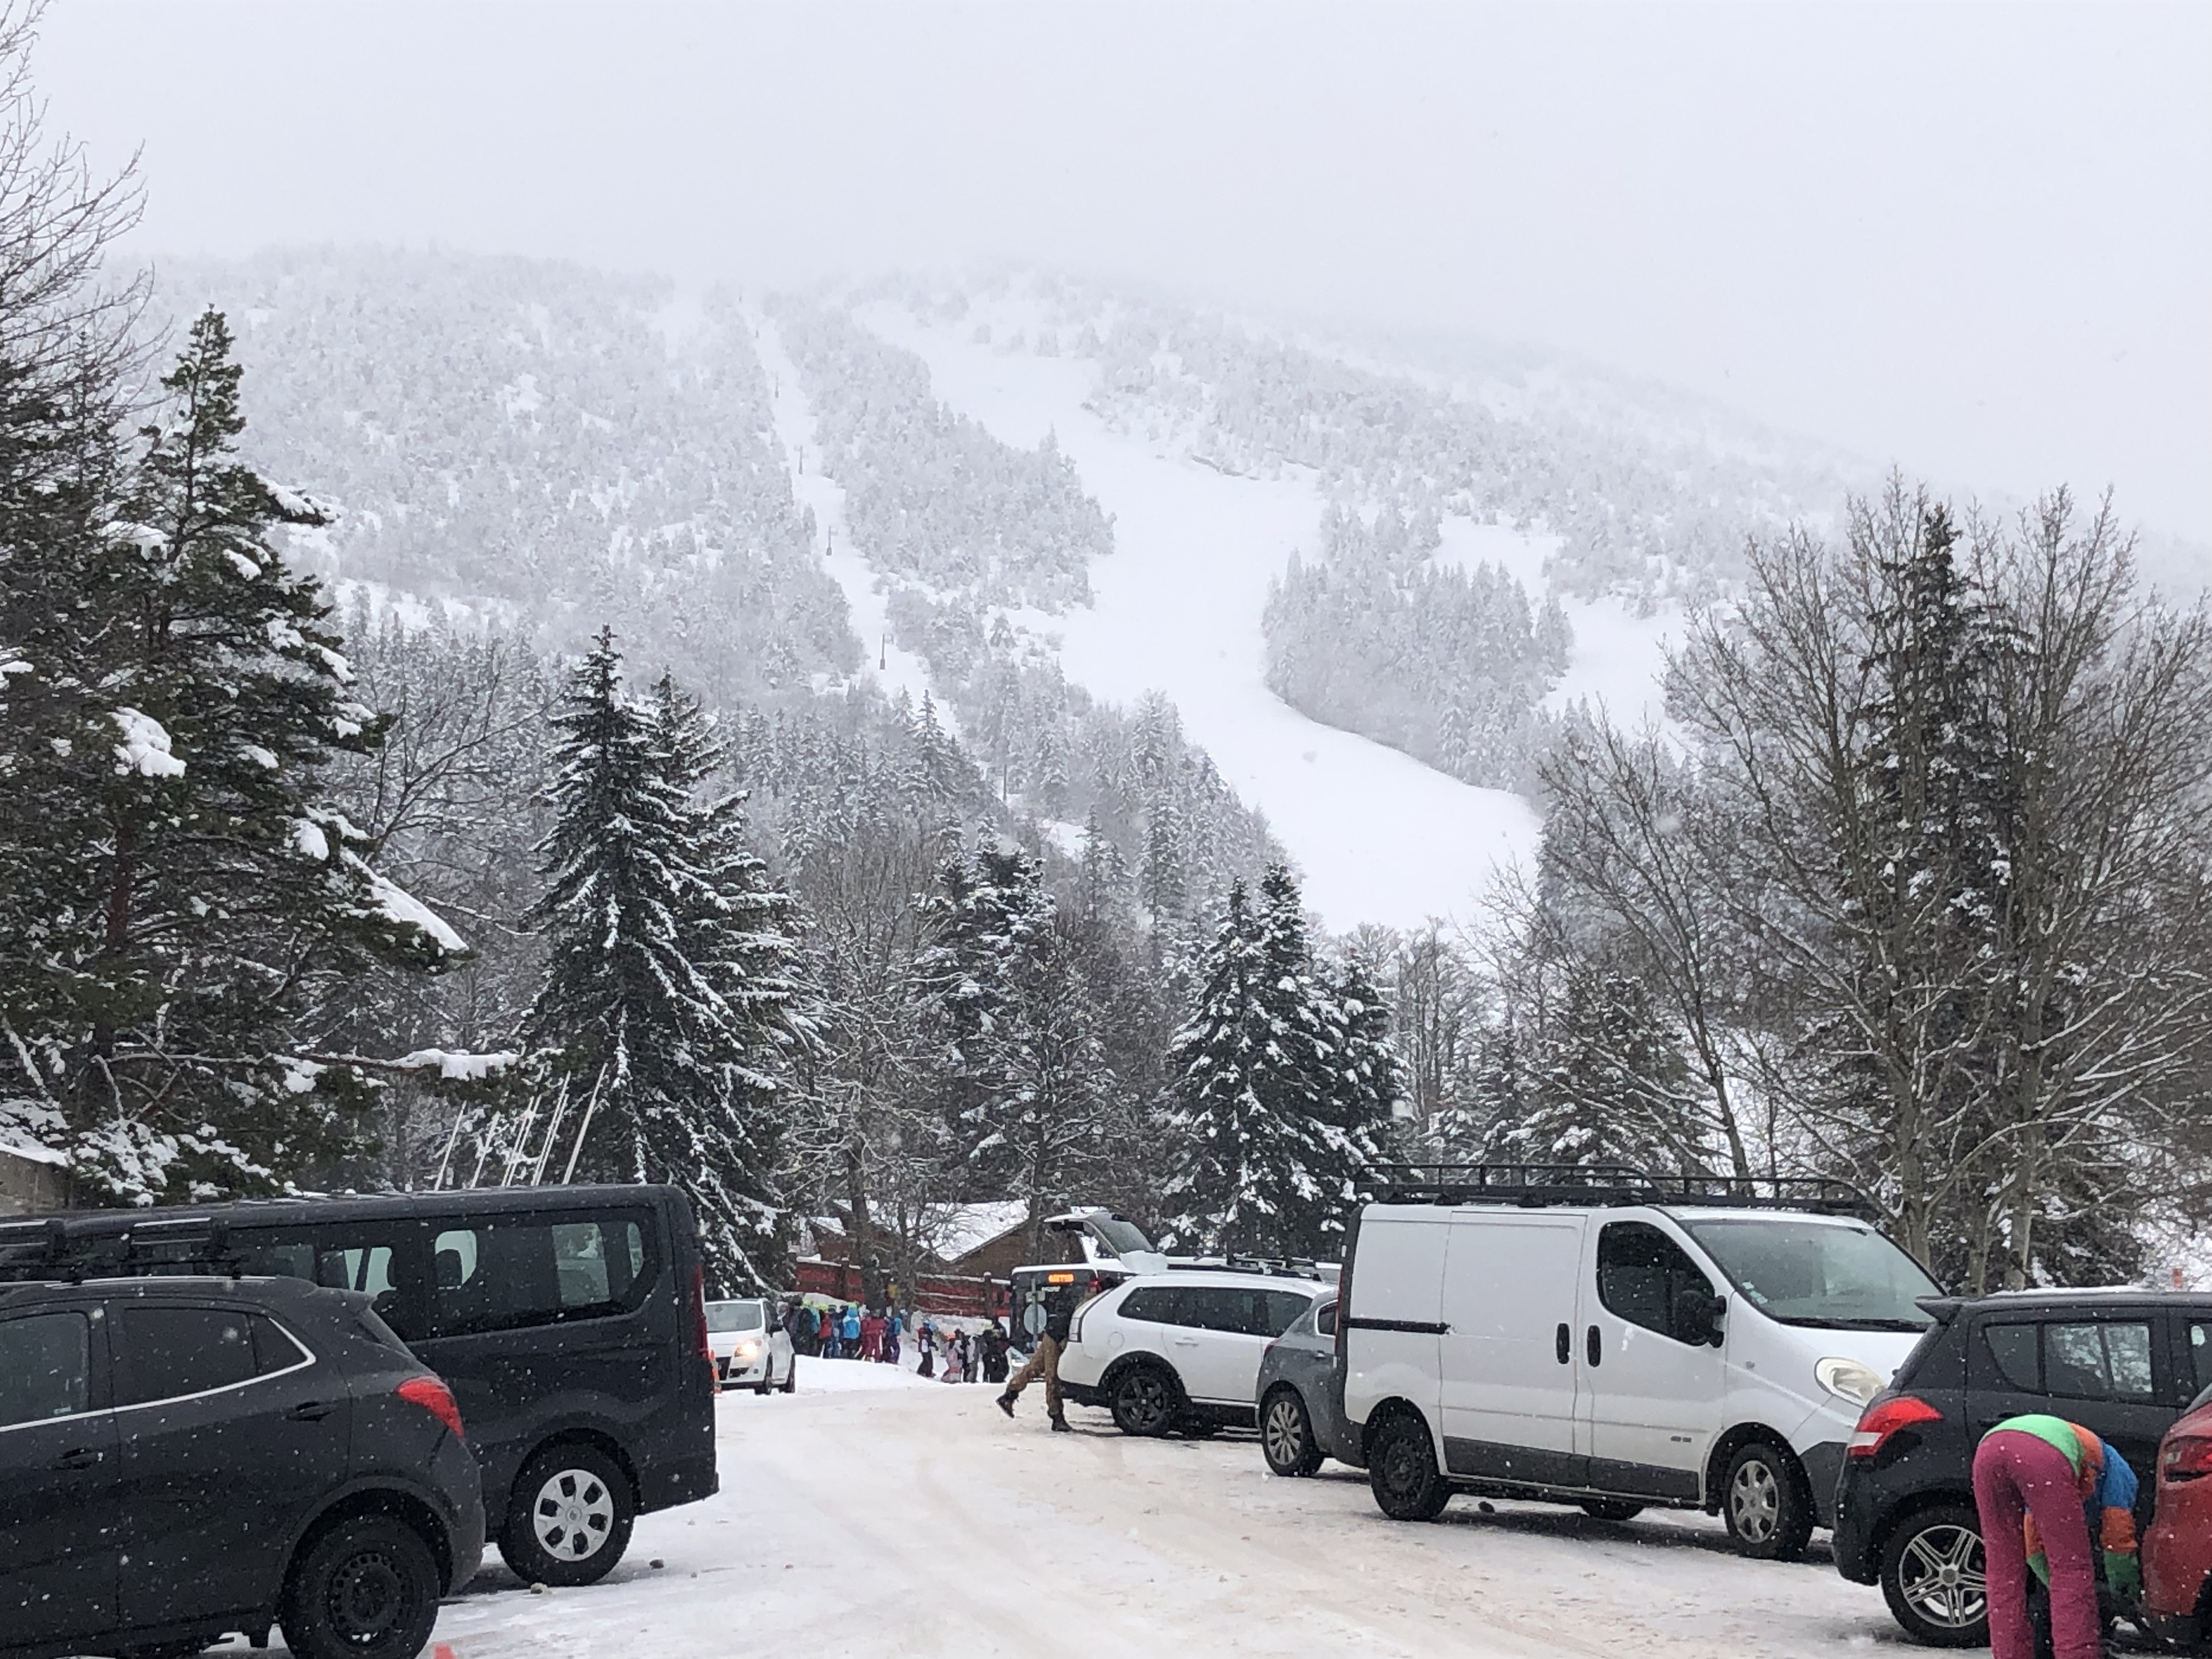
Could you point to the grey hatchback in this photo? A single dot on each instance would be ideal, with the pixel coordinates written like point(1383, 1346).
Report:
point(1301, 1395)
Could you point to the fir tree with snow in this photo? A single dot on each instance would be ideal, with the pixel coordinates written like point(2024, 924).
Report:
point(1277, 1098)
point(668, 1000)
point(184, 899)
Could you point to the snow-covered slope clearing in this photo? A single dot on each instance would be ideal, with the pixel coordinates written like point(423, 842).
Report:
point(1176, 609)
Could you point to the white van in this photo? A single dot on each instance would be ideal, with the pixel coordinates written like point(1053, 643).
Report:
point(1710, 1355)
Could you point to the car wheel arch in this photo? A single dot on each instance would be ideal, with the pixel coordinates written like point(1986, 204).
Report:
point(1901, 1512)
point(1388, 1411)
point(1734, 1440)
point(1111, 1378)
point(357, 1501)
point(598, 1439)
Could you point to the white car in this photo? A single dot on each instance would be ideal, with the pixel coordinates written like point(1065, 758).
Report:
point(1180, 1350)
point(751, 1351)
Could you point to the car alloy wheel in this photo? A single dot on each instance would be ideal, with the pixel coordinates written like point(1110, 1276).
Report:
point(574, 1515)
point(1144, 1403)
point(1940, 1574)
point(1755, 1503)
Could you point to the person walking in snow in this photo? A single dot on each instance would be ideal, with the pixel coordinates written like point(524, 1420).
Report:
point(849, 1333)
point(952, 1357)
point(832, 1333)
point(1060, 1313)
point(2041, 1484)
point(925, 1344)
point(871, 1336)
point(994, 1353)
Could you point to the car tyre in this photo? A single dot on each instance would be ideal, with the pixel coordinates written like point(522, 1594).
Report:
point(1146, 1402)
point(1932, 1577)
point(1765, 1503)
point(569, 1518)
point(1610, 1509)
point(367, 1588)
point(1402, 1470)
point(1286, 1435)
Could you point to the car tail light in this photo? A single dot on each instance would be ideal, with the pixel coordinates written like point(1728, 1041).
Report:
point(2186, 1459)
point(1885, 1418)
point(705, 1343)
point(435, 1398)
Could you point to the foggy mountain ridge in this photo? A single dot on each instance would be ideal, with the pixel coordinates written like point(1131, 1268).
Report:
point(571, 448)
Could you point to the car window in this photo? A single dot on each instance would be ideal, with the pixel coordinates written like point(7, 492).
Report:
point(1285, 1308)
point(2200, 1354)
point(169, 1352)
point(2097, 1361)
point(1220, 1307)
point(1155, 1305)
point(733, 1317)
point(1325, 1320)
point(46, 1367)
point(1649, 1280)
point(346, 1256)
point(508, 1273)
point(2014, 1351)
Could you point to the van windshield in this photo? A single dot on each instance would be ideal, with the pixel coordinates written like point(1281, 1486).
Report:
point(1812, 1273)
point(734, 1315)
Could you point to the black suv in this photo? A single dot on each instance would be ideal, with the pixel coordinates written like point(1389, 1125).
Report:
point(185, 1457)
point(2121, 1365)
point(569, 1321)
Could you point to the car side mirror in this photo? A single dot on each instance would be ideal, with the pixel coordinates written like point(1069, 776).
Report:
point(1701, 1316)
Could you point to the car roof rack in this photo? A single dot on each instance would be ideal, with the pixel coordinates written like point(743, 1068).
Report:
point(1549, 1186)
point(121, 1245)
point(1271, 1267)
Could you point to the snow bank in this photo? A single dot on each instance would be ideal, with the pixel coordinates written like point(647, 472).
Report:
point(145, 746)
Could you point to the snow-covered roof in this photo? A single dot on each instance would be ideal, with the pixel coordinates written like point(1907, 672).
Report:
point(971, 1226)
point(31, 1152)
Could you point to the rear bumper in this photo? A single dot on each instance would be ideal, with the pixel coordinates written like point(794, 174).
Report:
point(683, 1480)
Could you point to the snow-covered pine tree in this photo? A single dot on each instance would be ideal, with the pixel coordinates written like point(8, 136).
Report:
point(666, 998)
point(1268, 1079)
point(190, 898)
point(1599, 1079)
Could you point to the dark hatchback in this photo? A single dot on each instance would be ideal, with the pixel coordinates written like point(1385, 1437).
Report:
point(570, 1323)
point(185, 1457)
point(2121, 1365)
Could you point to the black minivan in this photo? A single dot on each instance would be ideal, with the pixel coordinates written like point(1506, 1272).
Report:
point(569, 1321)
point(2122, 1363)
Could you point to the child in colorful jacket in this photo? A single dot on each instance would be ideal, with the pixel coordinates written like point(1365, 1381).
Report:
point(2041, 1485)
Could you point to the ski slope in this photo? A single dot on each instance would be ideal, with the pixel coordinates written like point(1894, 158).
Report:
point(1378, 837)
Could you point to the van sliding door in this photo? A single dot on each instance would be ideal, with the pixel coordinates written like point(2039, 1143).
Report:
point(1508, 1379)
point(1653, 1386)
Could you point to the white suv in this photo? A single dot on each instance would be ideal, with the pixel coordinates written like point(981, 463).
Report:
point(1180, 1350)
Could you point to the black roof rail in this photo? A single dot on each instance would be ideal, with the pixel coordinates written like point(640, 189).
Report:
point(1273, 1267)
point(118, 1245)
point(1542, 1185)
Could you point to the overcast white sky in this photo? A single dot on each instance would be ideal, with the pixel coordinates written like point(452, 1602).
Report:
point(1975, 240)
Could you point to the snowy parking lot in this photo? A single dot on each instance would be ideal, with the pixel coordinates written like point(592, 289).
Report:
point(875, 1514)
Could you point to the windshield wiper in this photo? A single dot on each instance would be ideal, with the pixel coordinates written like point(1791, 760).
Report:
point(1869, 1323)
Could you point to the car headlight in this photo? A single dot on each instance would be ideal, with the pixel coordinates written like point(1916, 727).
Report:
point(748, 1351)
point(1849, 1379)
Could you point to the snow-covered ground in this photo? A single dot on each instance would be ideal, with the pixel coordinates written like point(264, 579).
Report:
point(1176, 609)
point(874, 1514)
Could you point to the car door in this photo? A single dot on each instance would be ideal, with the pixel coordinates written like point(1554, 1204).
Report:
point(60, 1514)
point(1652, 1388)
point(544, 1320)
point(1507, 1351)
point(232, 1435)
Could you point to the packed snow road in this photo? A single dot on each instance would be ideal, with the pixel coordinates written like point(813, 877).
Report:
point(875, 1514)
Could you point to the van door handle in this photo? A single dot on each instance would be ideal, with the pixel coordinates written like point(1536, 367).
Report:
point(312, 1411)
point(1563, 1343)
point(81, 1457)
point(1592, 1349)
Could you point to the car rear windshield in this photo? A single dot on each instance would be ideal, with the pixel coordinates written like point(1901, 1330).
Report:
point(1812, 1273)
point(1123, 1235)
point(734, 1315)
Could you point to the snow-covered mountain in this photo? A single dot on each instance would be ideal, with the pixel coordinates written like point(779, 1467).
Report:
point(1043, 504)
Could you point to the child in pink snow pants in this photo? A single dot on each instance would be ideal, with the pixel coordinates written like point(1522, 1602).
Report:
point(2032, 1477)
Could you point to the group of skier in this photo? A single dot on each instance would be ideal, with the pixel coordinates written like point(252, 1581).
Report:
point(849, 1331)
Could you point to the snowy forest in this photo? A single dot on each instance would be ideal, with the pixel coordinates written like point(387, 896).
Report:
point(434, 749)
